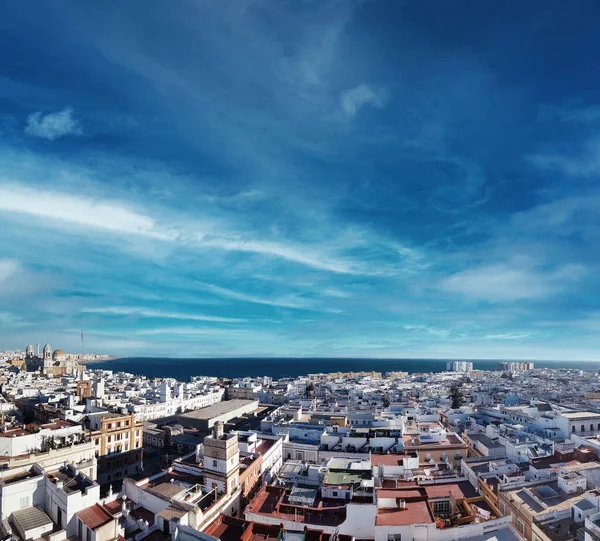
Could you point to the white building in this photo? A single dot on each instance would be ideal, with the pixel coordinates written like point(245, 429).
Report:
point(459, 366)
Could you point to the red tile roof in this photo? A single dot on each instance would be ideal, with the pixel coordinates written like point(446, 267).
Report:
point(94, 517)
point(388, 460)
point(413, 513)
point(403, 494)
point(463, 489)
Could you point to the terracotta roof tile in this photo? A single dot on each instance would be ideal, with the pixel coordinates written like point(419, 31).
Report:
point(94, 517)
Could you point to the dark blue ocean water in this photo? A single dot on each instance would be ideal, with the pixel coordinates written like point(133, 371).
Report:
point(184, 369)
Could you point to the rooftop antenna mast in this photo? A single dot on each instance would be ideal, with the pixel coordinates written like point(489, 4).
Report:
point(82, 343)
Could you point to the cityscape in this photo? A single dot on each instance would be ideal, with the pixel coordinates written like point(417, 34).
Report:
point(509, 453)
point(299, 270)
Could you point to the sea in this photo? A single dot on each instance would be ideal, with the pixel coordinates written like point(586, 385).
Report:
point(277, 368)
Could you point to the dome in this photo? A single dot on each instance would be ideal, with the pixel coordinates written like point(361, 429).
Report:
point(58, 352)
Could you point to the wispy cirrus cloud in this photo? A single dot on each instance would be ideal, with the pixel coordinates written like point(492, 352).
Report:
point(53, 126)
point(118, 217)
point(281, 164)
point(509, 336)
point(204, 332)
point(244, 297)
point(584, 164)
point(12, 320)
point(510, 282)
point(93, 213)
point(159, 314)
point(354, 99)
point(8, 268)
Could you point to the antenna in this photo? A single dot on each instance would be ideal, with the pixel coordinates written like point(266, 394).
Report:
point(82, 343)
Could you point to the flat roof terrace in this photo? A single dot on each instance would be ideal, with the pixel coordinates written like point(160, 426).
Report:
point(228, 528)
point(71, 482)
point(451, 440)
point(272, 501)
point(218, 409)
point(413, 513)
point(576, 415)
point(17, 477)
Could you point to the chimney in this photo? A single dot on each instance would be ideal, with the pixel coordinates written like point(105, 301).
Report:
point(218, 431)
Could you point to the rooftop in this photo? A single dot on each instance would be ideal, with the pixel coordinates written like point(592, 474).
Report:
point(72, 482)
point(345, 478)
point(413, 513)
point(553, 498)
point(31, 518)
point(450, 440)
point(270, 501)
point(389, 460)
point(167, 490)
point(462, 489)
point(94, 516)
point(580, 415)
point(218, 409)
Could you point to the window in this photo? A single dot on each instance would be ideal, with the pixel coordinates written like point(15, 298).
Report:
point(503, 508)
point(573, 428)
point(394, 537)
point(582, 428)
point(214, 463)
point(521, 526)
point(334, 494)
point(591, 428)
point(441, 507)
point(24, 503)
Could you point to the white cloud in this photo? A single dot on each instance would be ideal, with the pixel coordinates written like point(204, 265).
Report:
point(53, 125)
point(105, 214)
point(505, 283)
point(509, 336)
point(285, 303)
point(7, 318)
point(586, 164)
point(337, 293)
point(8, 268)
point(193, 331)
point(147, 312)
point(354, 99)
point(114, 216)
point(297, 254)
point(442, 333)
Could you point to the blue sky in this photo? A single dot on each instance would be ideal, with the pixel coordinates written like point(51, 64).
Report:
point(377, 178)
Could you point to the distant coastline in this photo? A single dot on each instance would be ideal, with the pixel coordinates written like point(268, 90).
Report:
point(108, 359)
point(238, 367)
